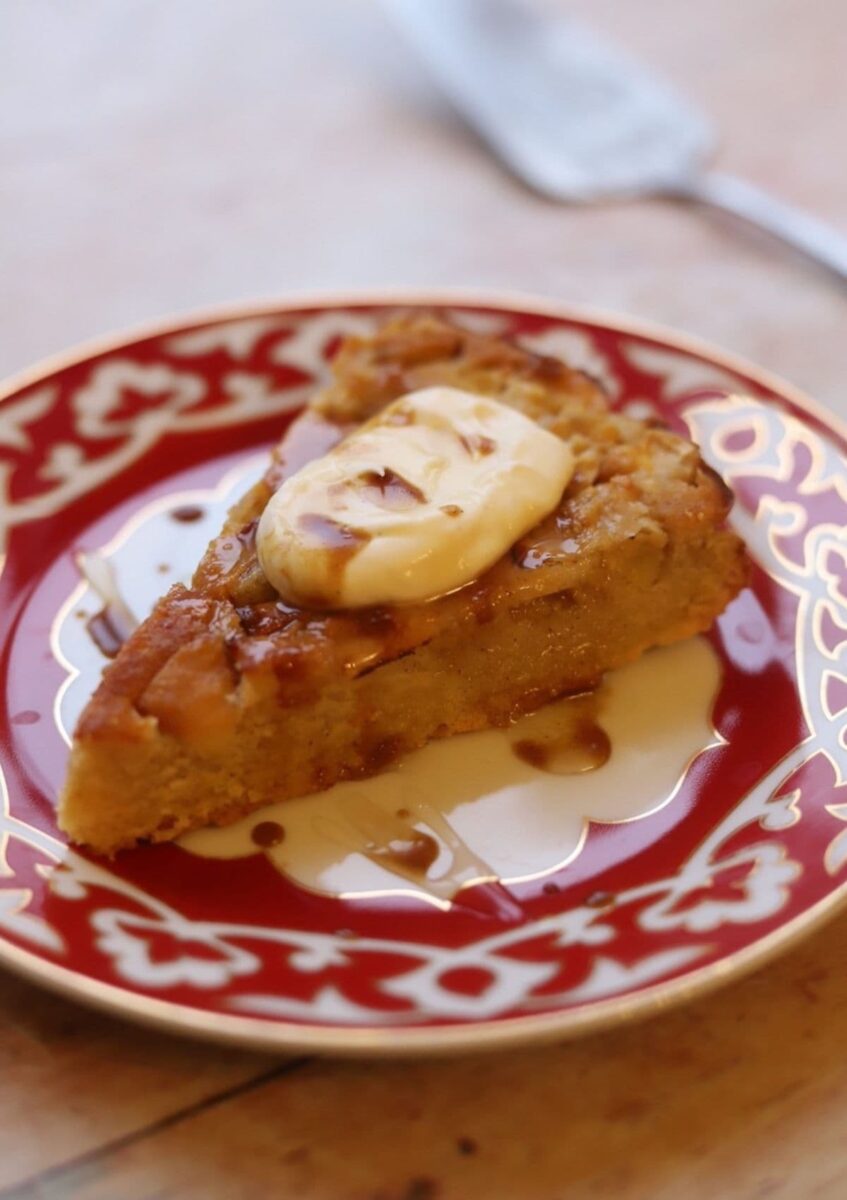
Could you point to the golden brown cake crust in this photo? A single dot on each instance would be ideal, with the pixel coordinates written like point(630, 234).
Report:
point(228, 644)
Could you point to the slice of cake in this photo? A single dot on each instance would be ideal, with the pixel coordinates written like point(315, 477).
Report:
point(235, 692)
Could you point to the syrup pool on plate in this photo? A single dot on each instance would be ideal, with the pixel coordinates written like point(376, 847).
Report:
point(502, 805)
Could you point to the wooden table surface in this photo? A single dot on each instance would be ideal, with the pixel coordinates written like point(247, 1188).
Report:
point(158, 156)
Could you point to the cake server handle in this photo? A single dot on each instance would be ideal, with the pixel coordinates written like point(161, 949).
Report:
point(804, 233)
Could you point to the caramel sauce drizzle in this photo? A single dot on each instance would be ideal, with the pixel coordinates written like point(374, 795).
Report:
point(115, 622)
point(408, 842)
point(343, 542)
point(309, 437)
point(415, 853)
point(334, 535)
point(388, 489)
point(108, 631)
point(566, 740)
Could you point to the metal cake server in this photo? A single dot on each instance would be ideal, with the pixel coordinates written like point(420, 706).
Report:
point(579, 121)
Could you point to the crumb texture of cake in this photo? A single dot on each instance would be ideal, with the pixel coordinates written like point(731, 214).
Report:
point(227, 698)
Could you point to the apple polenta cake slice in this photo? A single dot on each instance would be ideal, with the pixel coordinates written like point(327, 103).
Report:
point(454, 532)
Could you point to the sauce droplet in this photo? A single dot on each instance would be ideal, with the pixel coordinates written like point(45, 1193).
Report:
point(27, 717)
point(452, 510)
point(188, 513)
point(267, 834)
point(600, 900)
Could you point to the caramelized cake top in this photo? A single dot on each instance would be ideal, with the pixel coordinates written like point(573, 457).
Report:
point(230, 627)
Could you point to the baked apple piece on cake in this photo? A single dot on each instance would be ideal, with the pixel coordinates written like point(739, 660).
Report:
point(454, 532)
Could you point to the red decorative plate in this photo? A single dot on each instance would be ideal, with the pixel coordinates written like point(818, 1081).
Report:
point(716, 834)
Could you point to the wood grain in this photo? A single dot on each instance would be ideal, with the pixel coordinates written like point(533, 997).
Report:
point(71, 1080)
point(157, 157)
